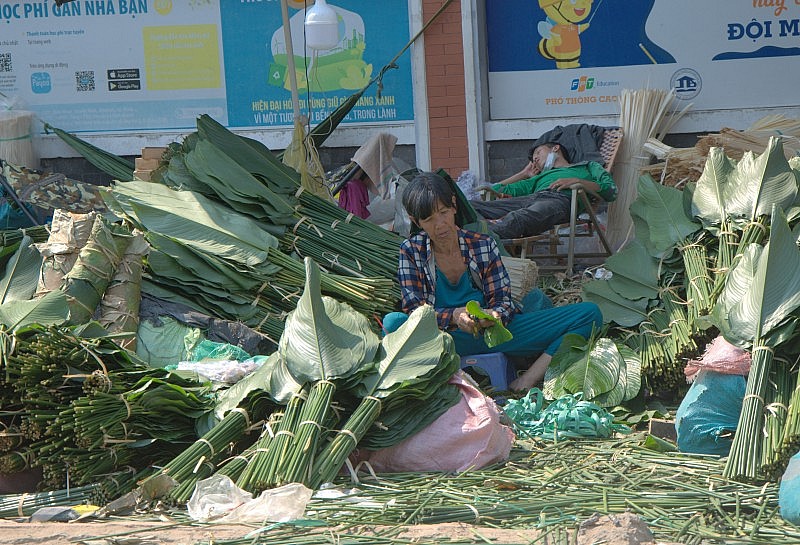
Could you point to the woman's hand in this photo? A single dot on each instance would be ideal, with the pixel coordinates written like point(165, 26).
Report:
point(465, 322)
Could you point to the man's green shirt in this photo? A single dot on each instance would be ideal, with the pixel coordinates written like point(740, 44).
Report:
point(585, 171)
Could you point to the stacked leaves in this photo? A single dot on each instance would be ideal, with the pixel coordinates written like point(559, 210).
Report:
point(229, 223)
point(725, 250)
point(666, 282)
point(340, 387)
point(87, 407)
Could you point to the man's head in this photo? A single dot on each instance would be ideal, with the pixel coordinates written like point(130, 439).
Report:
point(548, 155)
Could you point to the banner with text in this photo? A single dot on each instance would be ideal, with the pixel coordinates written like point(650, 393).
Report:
point(152, 65)
point(556, 58)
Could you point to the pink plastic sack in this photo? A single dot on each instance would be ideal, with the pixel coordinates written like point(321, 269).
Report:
point(468, 436)
point(721, 357)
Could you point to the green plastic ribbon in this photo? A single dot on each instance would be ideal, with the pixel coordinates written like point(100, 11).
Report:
point(26, 137)
point(566, 417)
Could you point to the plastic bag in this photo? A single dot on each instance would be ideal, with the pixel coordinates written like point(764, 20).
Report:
point(215, 497)
point(789, 491)
point(708, 415)
point(218, 498)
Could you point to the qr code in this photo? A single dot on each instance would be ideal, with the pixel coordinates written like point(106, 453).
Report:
point(5, 62)
point(84, 80)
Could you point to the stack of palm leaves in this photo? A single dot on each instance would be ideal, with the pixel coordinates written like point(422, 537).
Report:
point(229, 223)
point(720, 257)
point(339, 387)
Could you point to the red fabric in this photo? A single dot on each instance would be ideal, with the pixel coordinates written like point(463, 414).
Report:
point(354, 198)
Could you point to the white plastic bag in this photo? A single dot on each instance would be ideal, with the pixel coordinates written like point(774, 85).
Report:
point(215, 497)
point(218, 498)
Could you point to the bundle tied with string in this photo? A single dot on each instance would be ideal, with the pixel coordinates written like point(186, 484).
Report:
point(16, 136)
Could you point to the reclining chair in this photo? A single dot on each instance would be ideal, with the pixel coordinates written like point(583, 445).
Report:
point(583, 224)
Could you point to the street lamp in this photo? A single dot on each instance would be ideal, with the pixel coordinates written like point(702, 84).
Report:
point(322, 26)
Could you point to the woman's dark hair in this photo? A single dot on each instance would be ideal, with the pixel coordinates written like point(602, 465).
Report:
point(550, 145)
point(422, 195)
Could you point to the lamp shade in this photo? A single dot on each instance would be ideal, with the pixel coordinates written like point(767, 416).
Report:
point(322, 26)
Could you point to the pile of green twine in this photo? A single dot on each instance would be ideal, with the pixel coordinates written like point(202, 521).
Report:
point(566, 417)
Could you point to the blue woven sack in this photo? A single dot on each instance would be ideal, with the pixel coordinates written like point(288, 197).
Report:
point(708, 415)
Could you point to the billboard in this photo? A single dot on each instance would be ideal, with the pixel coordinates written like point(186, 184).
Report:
point(122, 66)
point(563, 58)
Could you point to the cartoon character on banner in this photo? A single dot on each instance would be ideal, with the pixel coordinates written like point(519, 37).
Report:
point(561, 30)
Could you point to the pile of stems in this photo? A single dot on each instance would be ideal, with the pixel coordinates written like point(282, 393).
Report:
point(14, 505)
point(754, 232)
point(744, 460)
point(779, 392)
point(728, 243)
point(699, 283)
point(113, 485)
point(233, 467)
point(681, 335)
point(262, 468)
point(229, 430)
point(296, 467)
point(790, 442)
point(682, 497)
point(333, 456)
point(15, 461)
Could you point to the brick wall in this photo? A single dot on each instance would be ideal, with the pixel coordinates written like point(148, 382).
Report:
point(444, 73)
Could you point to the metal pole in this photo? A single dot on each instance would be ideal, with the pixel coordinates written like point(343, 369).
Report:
point(287, 36)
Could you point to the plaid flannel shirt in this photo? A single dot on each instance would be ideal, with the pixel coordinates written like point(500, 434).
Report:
point(417, 275)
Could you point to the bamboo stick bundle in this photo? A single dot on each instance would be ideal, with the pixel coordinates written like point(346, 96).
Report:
point(679, 167)
point(523, 274)
point(682, 165)
point(644, 113)
point(16, 145)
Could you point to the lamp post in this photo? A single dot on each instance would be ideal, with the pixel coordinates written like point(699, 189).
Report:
point(322, 33)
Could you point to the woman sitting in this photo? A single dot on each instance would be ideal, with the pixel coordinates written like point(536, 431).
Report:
point(446, 267)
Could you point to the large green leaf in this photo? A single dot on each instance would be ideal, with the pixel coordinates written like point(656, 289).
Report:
point(710, 193)
point(407, 355)
point(602, 374)
point(576, 370)
point(661, 208)
point(630, 377)
point(52, 309)
point(195, 221)
point(760, 182)
point(635, 272)
point(615, 307)
point(762, 289)
point(236, 186)
point(251, 154)
point(271, 378)
point(324, 339)
point(22, 273)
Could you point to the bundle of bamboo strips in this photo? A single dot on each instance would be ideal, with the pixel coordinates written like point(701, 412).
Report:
point(16, 145)
point(523, 274)
point(682, 165)
point(644, 114)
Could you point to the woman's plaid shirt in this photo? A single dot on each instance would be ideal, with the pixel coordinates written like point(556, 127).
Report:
point(417, 275)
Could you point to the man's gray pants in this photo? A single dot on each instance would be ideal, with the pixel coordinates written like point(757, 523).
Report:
point(528, 215)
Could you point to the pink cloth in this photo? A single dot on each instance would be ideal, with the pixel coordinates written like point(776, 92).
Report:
point(354, 198)
point(469, 435)
point(721, 357)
